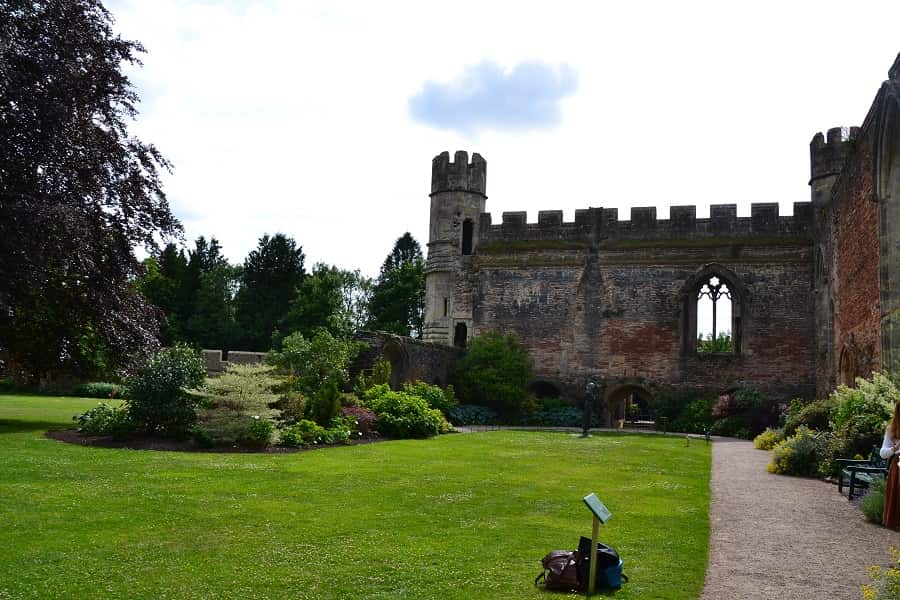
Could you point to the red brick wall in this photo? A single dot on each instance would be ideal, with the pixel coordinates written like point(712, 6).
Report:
point(856, 289)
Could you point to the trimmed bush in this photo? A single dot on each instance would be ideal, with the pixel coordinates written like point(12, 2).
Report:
point(768, 438)
point(326, 404)
point(472, 414)
point(560, 416)
point(495, 372)
point(302, 433)
point(798, 454)
point(104, 419)
point(99, 390)
point(872, 503)
point(402, 415)
point(159, 402)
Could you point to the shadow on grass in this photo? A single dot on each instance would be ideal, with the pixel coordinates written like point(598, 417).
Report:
point(14, 426)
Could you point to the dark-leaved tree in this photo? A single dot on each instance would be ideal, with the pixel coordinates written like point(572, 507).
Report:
point(272, 272)
point(77, 192)
point(397, 303)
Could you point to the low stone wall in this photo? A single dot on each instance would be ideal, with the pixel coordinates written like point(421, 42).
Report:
point(216, 363)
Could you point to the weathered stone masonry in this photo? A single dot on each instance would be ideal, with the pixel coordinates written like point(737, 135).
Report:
point(815, 294)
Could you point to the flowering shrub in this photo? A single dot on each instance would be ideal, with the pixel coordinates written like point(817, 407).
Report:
point(768, 438)
point(797, 455)
point(885, 582)
point(159, 402)
point(814, 415)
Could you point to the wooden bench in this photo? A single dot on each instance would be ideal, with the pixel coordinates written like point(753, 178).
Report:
point(860, 473)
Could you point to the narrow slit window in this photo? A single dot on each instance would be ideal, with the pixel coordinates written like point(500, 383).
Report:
point(446, 306)
point(467, 237)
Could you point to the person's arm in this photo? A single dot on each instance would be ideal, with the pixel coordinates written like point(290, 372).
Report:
point(889, 446)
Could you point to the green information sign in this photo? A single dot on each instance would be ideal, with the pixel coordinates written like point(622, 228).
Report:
point(600, 511)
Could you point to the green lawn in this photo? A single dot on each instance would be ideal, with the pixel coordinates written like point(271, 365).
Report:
point(460, 516)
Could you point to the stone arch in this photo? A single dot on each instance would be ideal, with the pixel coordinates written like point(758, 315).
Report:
point(740, 299)
point(620, 396)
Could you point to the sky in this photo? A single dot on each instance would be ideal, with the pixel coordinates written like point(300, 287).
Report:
point(319, 119)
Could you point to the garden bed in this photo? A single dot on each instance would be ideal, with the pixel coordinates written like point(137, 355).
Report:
point(70, 436)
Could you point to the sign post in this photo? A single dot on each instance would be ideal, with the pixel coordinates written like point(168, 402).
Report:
point(601, 515)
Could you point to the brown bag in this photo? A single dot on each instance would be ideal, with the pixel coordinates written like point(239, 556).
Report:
point(560, 571)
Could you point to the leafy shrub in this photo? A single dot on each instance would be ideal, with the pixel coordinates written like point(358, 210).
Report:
point(797, 455)
point(7, 384)
point(292, 405)
point(380, 375)
point(768, 438)
point(239, 407)
point(885, 583)
point(307, 433)
point(869, 403)
point(814, 415)
point(696, 417)
point(872, 503)
point(402, 415)
point(315, 361)
point(99, 390)
point(495, 372)
point(158, 400)
point(736, 426)
point(683, 409)
point(104, 419)
point(302, 433)
point(326, 404)
point(363, 418)
point(472, 414)
point(436, 397)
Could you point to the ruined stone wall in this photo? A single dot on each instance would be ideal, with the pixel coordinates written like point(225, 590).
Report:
point(605, 298)
point(216, 364)
point(411, 360)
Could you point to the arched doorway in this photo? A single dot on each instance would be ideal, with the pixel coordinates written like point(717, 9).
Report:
point(626, 402)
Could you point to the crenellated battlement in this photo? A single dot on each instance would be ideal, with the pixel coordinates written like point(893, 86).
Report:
point(765, 223)
point(459, 175)
point(827, 153)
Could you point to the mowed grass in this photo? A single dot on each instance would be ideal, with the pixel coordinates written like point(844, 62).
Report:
point(459, 516)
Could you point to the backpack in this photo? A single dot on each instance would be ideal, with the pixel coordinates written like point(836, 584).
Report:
point(609, 565)
point(560, 571)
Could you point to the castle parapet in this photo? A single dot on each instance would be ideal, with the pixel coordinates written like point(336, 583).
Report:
point(827, 153)
point(764, 223)
point(459, 175)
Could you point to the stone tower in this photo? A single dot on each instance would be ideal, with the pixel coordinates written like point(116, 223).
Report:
point(827, 156)
point(457, 201)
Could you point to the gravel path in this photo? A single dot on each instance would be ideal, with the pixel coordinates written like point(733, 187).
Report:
point(784, 537)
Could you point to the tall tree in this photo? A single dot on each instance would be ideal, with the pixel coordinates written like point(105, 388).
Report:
point(162, 285)
point(272, 272)
point(329, 298)
point(77, 191)
point(397, 304)
point(208, 292)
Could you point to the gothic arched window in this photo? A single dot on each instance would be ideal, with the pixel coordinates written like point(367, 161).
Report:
point(714, 299)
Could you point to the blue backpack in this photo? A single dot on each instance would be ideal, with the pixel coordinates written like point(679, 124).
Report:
point(609, 565)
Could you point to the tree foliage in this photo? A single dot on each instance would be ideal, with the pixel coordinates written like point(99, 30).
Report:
point(77, 191)
point(397, 304)
point(329, 298)
point(272, 272)
point(313, 362)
